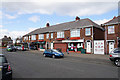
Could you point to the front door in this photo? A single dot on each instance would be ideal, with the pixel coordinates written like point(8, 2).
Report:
point(88, 47)
point(111, 46)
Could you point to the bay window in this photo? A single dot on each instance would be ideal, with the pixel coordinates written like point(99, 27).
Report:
point(47, 35)
point(41, 36)
point(33, 37)
point(60, 34)
point(51, 35)
point(75, 33)
point(88, 31)
point(111, 30)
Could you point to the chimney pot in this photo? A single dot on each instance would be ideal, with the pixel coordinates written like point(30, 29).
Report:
point(77, 18)
point(47, 25)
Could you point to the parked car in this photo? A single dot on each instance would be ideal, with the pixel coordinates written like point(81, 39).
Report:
point(21, 48)
point(33, 47)
point(115, 56)
point(11, 48)
point(5, 68)
point(53, 53)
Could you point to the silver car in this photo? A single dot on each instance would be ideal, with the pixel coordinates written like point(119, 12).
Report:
point(115, 56)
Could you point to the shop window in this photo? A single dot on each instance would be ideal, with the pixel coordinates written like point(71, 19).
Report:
point(75, 33)
point(111, 30)
point(60, 34)
point(88, 31)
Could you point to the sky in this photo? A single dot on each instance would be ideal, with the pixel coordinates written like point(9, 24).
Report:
point(19, 17)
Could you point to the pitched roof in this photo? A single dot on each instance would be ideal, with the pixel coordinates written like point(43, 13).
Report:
point(66, 26)
point(115, 20)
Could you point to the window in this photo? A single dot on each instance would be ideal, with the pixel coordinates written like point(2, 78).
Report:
point(88, 31)
point(29, 37)
point(51, 35)
point(41, 36)
point(111, 30)
point(33, 37)
point(75, 33)
point(47, 35)
point(26, 38)
point(60, 34)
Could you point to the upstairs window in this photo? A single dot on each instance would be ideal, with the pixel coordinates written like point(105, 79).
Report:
point(41, 36)
point(60, 34)
point(26, 38)
point(47, 35)
point(88, 31)
point(51, 35)
point(111, 30)
point(33, 37)
point(29, 37)
point(75, 33)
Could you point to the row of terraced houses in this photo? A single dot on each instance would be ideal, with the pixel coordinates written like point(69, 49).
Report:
point(75, 35)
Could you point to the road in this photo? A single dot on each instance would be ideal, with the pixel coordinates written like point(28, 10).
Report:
point(28, 64)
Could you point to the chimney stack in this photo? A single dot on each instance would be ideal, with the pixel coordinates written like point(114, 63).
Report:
point(77, 18)
point(47, 25)
point(114, 17)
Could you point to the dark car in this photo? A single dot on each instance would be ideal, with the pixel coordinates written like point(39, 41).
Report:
point(115, 56)
point(5, 68)
point(11, 48)
point(53, 53)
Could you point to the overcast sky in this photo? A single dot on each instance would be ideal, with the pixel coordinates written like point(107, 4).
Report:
point(19, 17)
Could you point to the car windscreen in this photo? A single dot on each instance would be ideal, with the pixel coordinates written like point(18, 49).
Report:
point(56, 51)
point(2, 60)
point(117, 50)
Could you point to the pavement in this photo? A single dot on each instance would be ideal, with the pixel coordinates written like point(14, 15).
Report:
point(90, 56)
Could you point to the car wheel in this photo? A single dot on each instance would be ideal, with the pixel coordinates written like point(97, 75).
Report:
point(53, 56)
point(44, 55)
point(117, 62)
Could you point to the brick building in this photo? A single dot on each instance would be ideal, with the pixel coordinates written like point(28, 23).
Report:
point(5, 41)
point(112, 34)
point(73, 35)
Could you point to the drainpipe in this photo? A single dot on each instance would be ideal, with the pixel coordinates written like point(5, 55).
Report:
point(106, 39)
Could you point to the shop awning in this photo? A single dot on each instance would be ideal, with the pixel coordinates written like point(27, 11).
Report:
point(80, 40)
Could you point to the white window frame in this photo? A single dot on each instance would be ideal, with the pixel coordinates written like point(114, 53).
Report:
point(75, 33)
point(87, 31)
point(111, 29)
point(41, 36)
point(29, 37)
point(47, 35)
point(60, 34)
point(33, 37)
point(51, 35)
point(25, 38)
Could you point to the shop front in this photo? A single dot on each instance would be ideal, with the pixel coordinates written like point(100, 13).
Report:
point(41, 45)
point(74, 45)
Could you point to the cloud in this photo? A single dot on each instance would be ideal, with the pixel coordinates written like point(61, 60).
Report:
point(1, 26)
point(14, 34)
point(102, 21)
point(34, 18)
point(10, 17)
point(61, 8)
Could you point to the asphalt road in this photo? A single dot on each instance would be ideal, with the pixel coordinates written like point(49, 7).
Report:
point(28, 64)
